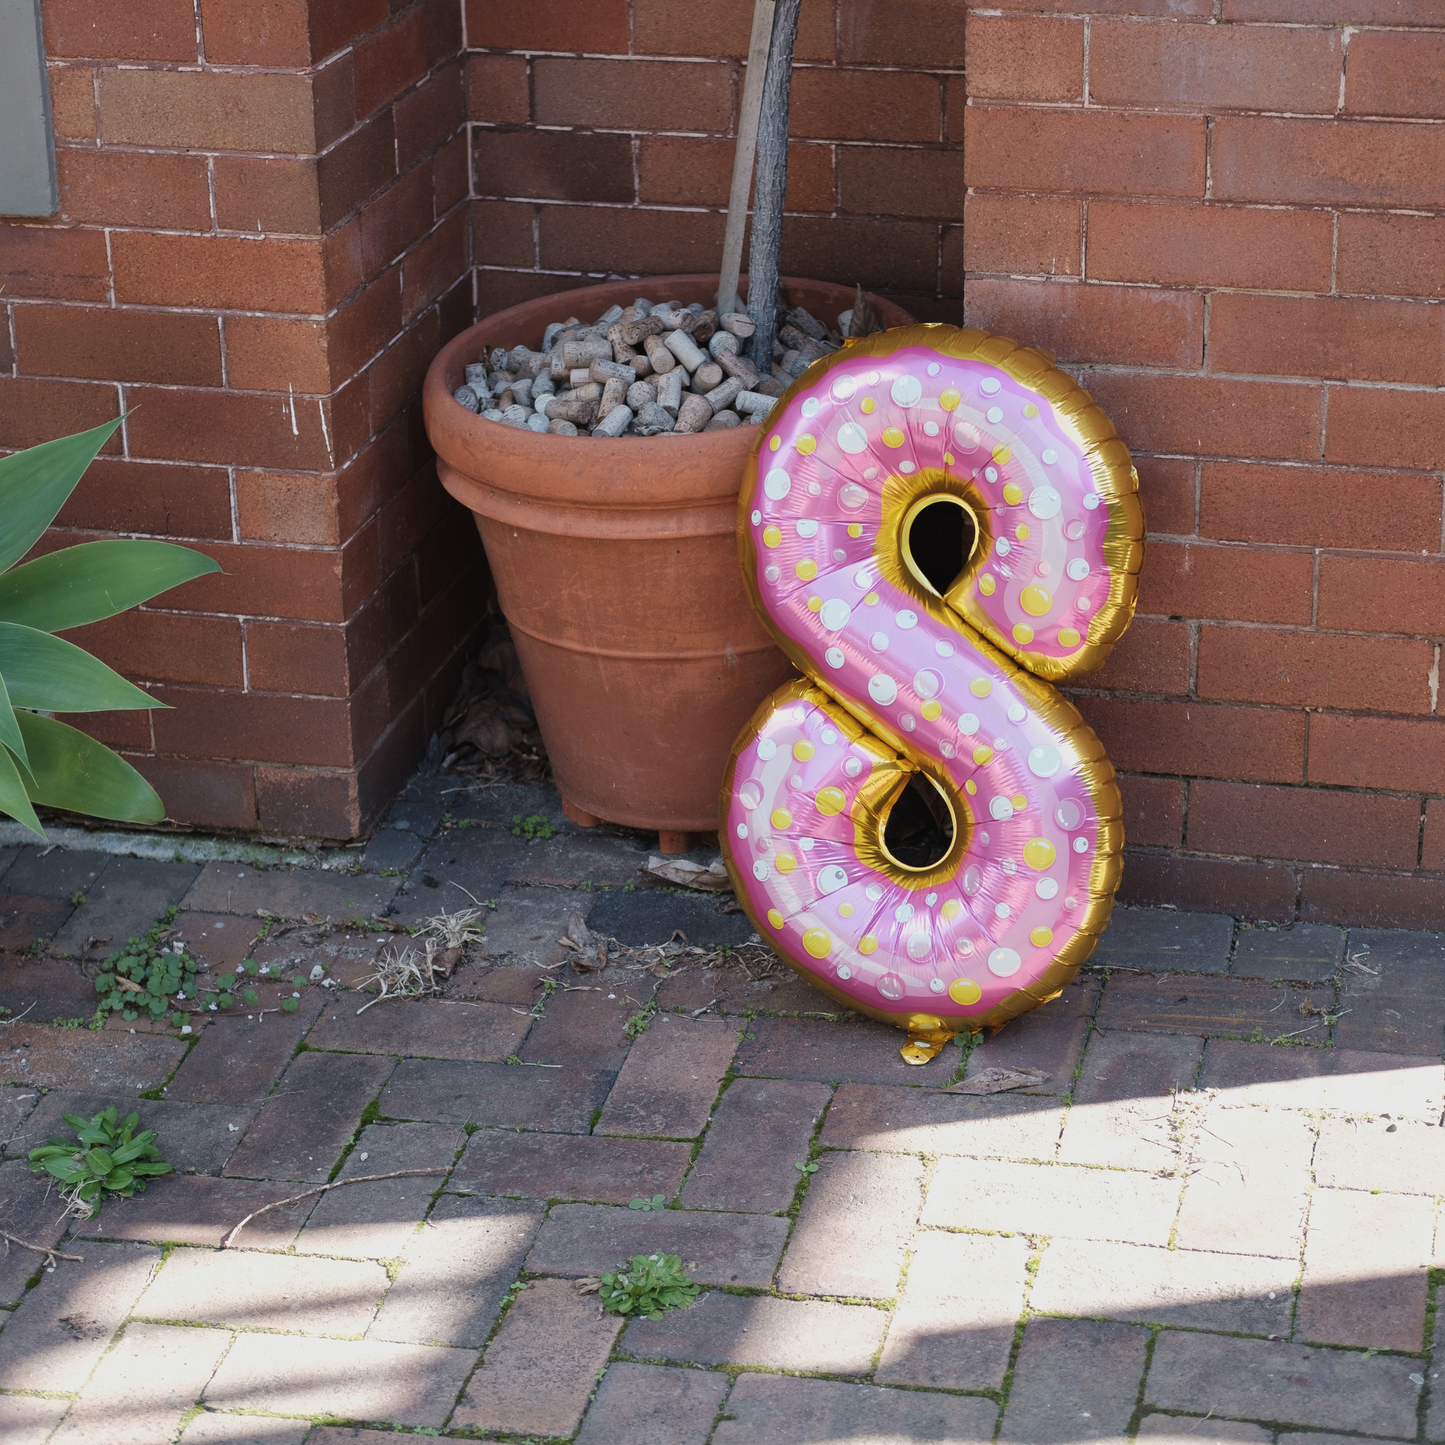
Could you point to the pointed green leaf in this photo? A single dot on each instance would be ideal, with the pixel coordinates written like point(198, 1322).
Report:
point(69, 770)
point(14, 797)
point(95, 580)
point(9, 728)
point(54, 675)
point(35, 483)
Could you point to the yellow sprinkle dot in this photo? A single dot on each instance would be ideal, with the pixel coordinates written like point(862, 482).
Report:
point(782, 818)
point(1068, 637)
point(871, 600)
point(845, 910)
point(803, 751)
point(1001, 454)
point(1022, 634)
point(1035, 600)
point(867, 406)
point(964, 991)
point(1019, 801)
point(815, 604)
point(1030, 409)
point(1021, 531)
point(980, 687)
point(982, 754)
point(1013, 494)
point(774, 443)
point(854, 529)
point(1041, 936)
point(949, 399)
point(786, 862)
point(932, 710)
point(772, 537)
point(892, 437)
point(970, 787)
point(807, 569)
point(831, 801)
point(952, 908)
point(775, 918)
point(986, 584)
point(1039, 853)
point(817, 941)
point(948, 459)
point(807, 445)
point(867, 944)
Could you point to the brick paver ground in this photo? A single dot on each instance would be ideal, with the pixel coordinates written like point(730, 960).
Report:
point(1218, 1219)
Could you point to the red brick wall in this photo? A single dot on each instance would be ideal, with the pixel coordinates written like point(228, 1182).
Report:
point(263, 238)
point(1222, 216)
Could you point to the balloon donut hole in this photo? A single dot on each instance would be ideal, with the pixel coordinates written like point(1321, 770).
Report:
point(936, 525)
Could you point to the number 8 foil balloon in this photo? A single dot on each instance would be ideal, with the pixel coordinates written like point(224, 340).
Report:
point(935, 525)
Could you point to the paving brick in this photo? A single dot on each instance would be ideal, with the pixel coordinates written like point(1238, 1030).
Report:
point(1393, 999)
point(1184, 1430)
point(527, 923)
point(239, 888)
point(582, 1239)
point(1056, 1199)
point(872, 1201)
point(392, 849)
point(210, 1428)
point(1308, 951)
point(253, 1290)
point(541, 1368)
point(915, 1121)
point(377, 1221)
point(854, 1051)
point(1050, 1039)
point(732, 991)
point(200, 1209)
point(1261, 1380)
point(63, 1325)
point(337, 1434)
point(456, 1272)
point(652, 1405)
point(55, 873)
point(1192, 1289)
point(499, 984)
point(70, 1058)
point(27, 920)
point(474, 859)
point(569, 1166)
point(141, 1390)
point(355, 1379)
point(29, 1208)
point(785, 1411)
point(129, 896)
point(1249, 1183)
point(29, 1419)
point(1403, 1158)
point(583, 1030)
point(238, 1060)
point(1156, 939)
point(311, 1117)
point(1177, 1003)
point(1346, 1079)
point(506, 1095)
point(759, 1132)
point(1126, 1113)
point(780, 1334)
point(651, 916)
point(670, 1079)
point(43, 989)
point(425, 1028)
point(590, 857)
point(219, 941)
point(195, 1137)
point(954, 1327)
point(1074, 1380)
point(1365, 1279)
point(16, 1105)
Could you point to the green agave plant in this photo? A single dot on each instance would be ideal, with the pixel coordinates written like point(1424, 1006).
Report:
point(42, 760)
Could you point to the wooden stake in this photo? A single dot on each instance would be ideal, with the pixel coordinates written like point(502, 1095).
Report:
point(743, 153)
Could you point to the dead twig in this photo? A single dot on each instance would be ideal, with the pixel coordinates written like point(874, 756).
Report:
point(320, 1189)
point(51, 1255)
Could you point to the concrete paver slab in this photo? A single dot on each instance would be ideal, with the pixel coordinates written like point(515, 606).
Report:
point(422, 1029)
point(29, 1419)
point(653, 1405)
point(29, 1208)
point(670, 1081)
point(237, 1060)
point(1075, 1380)
point(1402, 1157)
point(1157, 939)
point(129, 896)
point(210, 1428)
point(856, 1051)
point(1048, 1039)
point(570, 1166)
point(651, 916)
point(514, 1096)
point(1392, 992)
point(199, 1209)
point(55, 872)
point(45, 990)
point(292, 893)
point(126, 1064)
point(1311, 952)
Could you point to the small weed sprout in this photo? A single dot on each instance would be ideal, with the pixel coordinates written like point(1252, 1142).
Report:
point(647, 1285)
point(658, 1201)
point(533, 826)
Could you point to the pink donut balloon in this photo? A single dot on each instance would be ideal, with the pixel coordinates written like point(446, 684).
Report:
point(933, 522)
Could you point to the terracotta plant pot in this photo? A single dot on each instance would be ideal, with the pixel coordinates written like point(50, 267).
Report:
point(616, 565)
